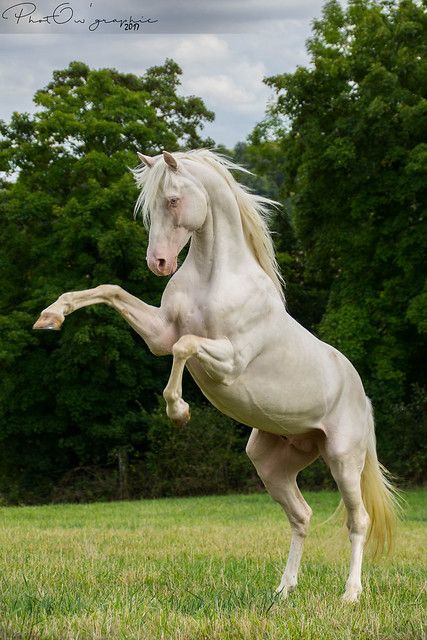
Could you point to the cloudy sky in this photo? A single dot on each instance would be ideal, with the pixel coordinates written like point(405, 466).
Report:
point(225, 48)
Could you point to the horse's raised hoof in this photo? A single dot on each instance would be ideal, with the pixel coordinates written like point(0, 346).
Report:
point(178, 412)
point(181, 422)
point(50, 321)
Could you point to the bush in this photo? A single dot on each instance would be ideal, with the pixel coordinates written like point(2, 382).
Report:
point(403, 446)
point(204, 457)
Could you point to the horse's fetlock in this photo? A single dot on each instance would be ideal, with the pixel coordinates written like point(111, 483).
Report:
point(65, 302)
point(170, 396)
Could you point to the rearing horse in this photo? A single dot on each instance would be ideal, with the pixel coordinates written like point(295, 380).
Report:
point(223, 316)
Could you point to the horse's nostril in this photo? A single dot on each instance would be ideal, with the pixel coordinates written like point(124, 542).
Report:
point(161, 263)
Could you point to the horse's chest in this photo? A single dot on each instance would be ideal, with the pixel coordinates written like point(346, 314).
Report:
point(193, 321)
point(204, 317)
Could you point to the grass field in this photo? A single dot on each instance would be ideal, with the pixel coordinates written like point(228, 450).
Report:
point(198, 568)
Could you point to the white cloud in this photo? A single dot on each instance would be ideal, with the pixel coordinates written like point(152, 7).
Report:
point(225, 70)
point(241, 88)
point(220, 88)
point(201, 49)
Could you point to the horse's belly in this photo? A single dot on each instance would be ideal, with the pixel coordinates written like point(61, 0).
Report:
point(271, 406)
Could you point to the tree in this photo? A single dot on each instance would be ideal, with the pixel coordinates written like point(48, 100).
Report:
point(353, 129)
point(66, 207)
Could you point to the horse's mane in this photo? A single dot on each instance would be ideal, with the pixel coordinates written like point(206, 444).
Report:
point(254, 209)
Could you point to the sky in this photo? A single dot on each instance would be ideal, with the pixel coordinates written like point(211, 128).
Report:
point(224, 47)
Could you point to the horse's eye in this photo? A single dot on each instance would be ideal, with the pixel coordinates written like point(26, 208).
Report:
point(173, 202)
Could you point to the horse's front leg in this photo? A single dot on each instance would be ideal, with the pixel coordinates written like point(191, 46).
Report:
point(148, 321)
point(218, 358)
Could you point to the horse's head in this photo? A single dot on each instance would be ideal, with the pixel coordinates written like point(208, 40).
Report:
point(175, 205)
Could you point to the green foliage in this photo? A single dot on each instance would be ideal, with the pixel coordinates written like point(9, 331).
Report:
point(350, 329)
point(348, 135)
point(206, 456)
point(77, 398)
point(404, 445)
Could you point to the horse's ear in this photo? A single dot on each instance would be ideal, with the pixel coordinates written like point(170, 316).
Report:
point(147, 160)
point(170, 160)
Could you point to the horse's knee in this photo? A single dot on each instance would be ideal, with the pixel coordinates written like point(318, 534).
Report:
point(111, 292)
point(185, 347)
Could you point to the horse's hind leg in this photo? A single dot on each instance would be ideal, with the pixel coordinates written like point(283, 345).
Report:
point(278, 463)
point(346, 469)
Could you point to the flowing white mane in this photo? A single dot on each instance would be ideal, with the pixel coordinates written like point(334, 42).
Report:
point(254, 209)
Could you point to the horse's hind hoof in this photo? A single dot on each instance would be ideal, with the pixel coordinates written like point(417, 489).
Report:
point(351, 595)
point(50, 321)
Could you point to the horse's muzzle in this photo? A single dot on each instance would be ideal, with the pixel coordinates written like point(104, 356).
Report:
point(162, 266)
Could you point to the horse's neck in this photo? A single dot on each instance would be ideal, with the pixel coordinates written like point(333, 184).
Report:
point(220, 246)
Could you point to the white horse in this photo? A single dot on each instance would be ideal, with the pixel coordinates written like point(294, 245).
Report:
point(223, 316)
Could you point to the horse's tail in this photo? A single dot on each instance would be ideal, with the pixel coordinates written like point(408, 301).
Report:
point(382, 500)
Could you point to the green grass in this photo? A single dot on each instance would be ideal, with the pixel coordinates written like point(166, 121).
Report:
point(198, 568)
